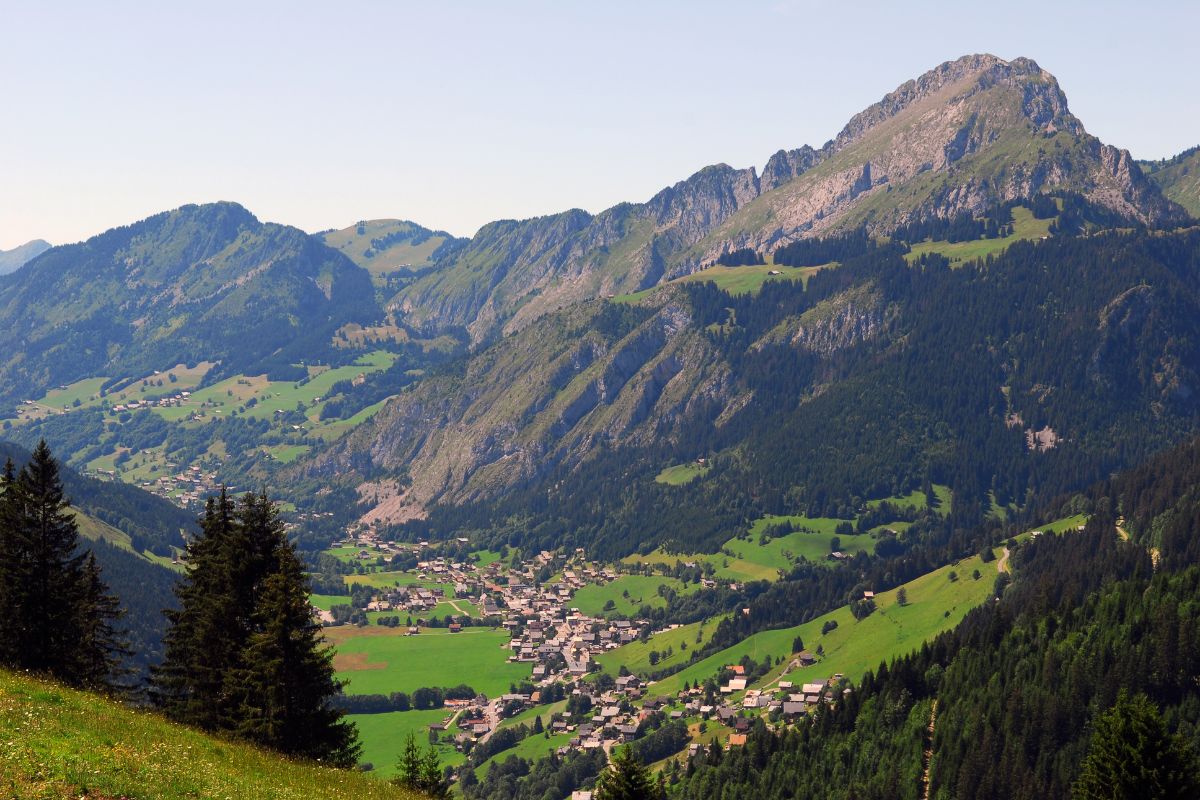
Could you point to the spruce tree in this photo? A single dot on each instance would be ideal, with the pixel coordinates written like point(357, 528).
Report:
point(243, 654)
point(287, 679)
point(57, 611)
point(1132, 755)
point(626, 779)
point(101, 649)
point(200, 644)
point(9, 553)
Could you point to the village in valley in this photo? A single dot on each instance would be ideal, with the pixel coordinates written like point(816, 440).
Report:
point(571, 698)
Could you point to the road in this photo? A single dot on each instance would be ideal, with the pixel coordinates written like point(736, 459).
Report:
point(1002, 564)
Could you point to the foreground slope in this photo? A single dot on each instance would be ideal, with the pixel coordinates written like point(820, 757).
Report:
point(62, 743)
point(966, 136)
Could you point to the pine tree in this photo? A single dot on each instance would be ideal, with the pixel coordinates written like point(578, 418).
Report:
point(57, 611)
point(243, 653)
point(102, 648)
point(626, 779)
point(287, 678)
point(9, 554)
point(1133, 756)
point(408, 764)
point(200, 643)
point(433, 779)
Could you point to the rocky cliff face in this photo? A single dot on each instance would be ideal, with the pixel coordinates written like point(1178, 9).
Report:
point(966, 135)
point(554, 391)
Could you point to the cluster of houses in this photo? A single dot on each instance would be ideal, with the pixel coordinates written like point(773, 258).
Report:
point(560, 643)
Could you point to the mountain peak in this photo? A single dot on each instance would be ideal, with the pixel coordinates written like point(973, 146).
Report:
point(13, 260)
point(1044, 103)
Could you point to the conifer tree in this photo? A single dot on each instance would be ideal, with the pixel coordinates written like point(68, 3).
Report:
point(200, 644)
point(1133, 756)
point(58, 615)
point(8, 563)
point(101, 649)
point(626, 779)
point(287, 677)
point(243, 654)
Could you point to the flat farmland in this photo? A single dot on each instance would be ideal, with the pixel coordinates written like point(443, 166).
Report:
point(383, 735)
point(379, 660)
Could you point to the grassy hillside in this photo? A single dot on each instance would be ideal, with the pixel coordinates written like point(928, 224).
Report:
point(1179, 178)
point(935, 603)
point(387, 245)
point(735, 280)
point(1025, 226)
point(60, 743)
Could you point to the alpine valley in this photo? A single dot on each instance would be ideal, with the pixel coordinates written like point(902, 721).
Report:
point(871, 474)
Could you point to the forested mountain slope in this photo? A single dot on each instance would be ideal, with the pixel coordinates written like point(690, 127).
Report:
point(967, 136)
point(1006, 705)
point(1045, 367)
point(126, 527)
point(198, 283)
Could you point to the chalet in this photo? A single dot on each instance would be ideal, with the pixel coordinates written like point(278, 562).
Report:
point(455, 627)
point(793, 709)
point(737, 739)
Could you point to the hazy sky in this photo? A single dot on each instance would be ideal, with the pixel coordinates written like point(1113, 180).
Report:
point(455, 113)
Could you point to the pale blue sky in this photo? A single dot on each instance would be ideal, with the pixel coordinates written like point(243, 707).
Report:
point(456, 113)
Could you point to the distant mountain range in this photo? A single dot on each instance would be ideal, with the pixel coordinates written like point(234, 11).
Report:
point(573, 359)
point(13, 260)
point(965, 136)
point(197, 283)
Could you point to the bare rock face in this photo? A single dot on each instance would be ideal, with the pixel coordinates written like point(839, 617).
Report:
point(551, 393)
point(965, 136)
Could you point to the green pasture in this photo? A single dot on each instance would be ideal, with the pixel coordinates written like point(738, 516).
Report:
point(641, 590)
point(379, 660)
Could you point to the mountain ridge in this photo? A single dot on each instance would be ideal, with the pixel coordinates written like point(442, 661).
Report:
point(196, 283)
point(968, 135)
point(12, 260)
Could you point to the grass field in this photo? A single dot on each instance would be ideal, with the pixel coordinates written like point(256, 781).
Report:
point(681, 474)
point(389, 578)
point(642, 590)
point(735, 280)
point(1025, 226)
point(531, 748)
point(782, 552)
point(856, 646)
point(748, 560)
point(379, 660)
point(328, 601)
point(636, 655)
point(383, 735)
point(60, 743)
point(725, 567)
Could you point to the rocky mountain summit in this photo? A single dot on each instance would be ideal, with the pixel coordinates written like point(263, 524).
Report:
point(968, 135)
point(13, 260)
